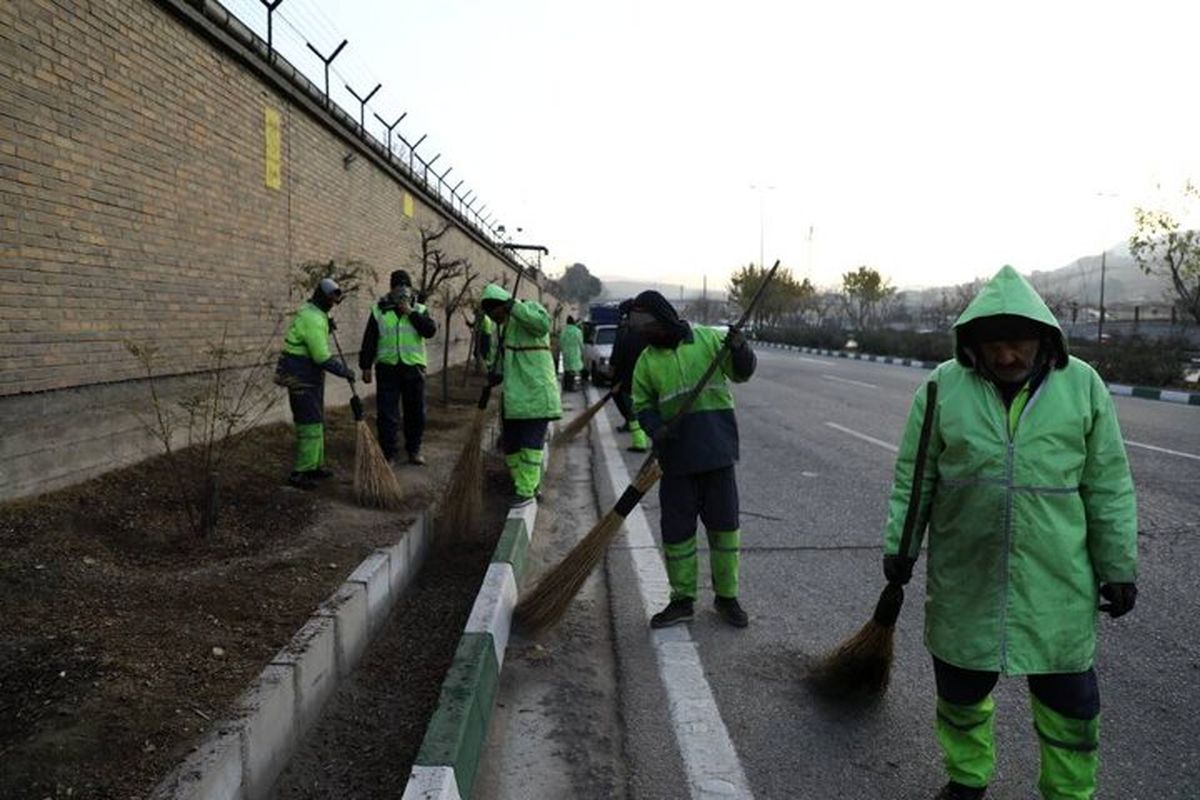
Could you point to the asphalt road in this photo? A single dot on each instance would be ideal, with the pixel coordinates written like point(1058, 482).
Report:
point(814, 477)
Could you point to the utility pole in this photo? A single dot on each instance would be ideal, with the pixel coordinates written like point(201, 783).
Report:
point(1100, 326)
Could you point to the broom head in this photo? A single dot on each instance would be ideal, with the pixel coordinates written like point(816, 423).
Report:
point(547, 602)
point(861, 666)
point(375, 484)
point(461, 508)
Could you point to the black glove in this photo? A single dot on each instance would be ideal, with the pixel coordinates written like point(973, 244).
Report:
point(495, 378)
point(735, 339)
point(332, 325)
point(898, 569)
point(1121, 598)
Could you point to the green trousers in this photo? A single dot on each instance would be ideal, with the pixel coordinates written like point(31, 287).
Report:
point(525, 466)
point(723, 555)
point(310, 447)
point(640, 440)
point(1069, 748)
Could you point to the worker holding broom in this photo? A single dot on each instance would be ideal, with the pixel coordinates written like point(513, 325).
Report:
point(394, 341)
point(570, 344)
point(301, 368)
point(1032, 519)
point(697, 452)
point(627, 347)
point(531, 398)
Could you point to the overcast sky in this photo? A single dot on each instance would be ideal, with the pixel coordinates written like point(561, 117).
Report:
point(934, 141)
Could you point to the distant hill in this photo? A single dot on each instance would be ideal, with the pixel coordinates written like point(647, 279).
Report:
point(617, 288)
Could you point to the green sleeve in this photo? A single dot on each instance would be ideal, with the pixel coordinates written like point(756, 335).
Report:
point(315, 330)
point(531, 316)
point(902, 482)
point(645, 397)
point(1107, 492)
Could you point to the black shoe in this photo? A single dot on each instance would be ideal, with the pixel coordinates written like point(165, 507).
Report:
point(677, 611)
point(731, 611)
point(956, 791)
point(320, 473)
point(519, 501)
point(633, 449)
point(302, 480)
point(416, 458)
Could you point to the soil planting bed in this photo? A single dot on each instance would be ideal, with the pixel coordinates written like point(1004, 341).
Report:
point(123, 637)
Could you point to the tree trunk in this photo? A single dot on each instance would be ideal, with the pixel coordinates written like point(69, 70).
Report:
point(446, 357)
point(209, 505)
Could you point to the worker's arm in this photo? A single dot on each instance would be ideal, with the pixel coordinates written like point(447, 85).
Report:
point(1107, 491)
point(740, 364)
point(530, 316)
point(423, 322)
point(370, 345)
point(906, 460)
point(645, 399)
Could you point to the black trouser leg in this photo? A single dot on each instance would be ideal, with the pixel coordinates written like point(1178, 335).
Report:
point(412, 390)
point(624, 401)
point(387, 403)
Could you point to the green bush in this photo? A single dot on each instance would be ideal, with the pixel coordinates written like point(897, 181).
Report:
point(1136, 360)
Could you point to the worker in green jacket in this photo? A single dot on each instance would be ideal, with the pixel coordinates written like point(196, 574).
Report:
point(531, 399)
point(1032, 519)
point(301, 368)
point(697, 451)
point(570, 344)
point(394, 343)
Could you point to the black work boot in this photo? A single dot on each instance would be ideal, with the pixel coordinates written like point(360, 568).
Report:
point(731, 611)
point(320, 473)
point(957, 791)
point(677, 611)
point(302, 480)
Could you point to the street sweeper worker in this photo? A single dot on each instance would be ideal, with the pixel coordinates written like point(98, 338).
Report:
point(531, 399)
point(301, 368)
point(697, 453)
point(570, 344)
point(486, 343)
point(394, 343)
point(627, 347)
point(1032, 520)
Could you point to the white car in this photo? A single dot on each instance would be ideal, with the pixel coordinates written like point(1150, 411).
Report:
point(597, 353)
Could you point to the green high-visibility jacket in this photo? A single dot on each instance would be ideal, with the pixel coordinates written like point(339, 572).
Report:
point(706, 437)
point(308, 334)
point(570, 343)
point(399, 340)
point(530, 386)
point(1028, 508)
point(488, 328)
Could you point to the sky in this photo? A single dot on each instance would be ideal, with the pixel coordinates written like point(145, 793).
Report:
point(673, 141)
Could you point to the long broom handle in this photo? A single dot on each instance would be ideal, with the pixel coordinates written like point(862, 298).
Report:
point(891, 599)
point(486, 395)
point(356, 405)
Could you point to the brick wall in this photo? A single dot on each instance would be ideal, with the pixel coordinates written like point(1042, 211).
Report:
point(136, 206)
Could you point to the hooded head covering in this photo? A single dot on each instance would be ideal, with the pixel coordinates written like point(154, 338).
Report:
point(327, 294)
point(493, 295)
point(1008, 307)
point(660, 308)
point(625, 305)
point(400, 278)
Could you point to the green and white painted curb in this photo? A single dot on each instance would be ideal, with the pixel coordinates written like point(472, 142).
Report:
point(242, 756)
point(1180, 396)
point(448, 761)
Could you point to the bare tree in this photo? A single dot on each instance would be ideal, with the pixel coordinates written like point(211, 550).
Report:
point(451, 300)
point(1161, 245)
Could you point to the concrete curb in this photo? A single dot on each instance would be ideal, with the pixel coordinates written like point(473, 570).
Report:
point(241, 757)
point(448, 760)
point(1179, 396)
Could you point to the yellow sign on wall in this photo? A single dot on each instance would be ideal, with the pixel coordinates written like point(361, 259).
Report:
point(274, 148)
point(408, 204)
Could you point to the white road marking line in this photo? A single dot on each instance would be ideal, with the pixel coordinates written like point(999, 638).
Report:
point(824, 362)
point(709, 758)
point(847, 380)
point(1163, 450)
point(863, 436)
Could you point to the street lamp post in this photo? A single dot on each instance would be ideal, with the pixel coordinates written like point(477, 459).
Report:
point(761, 222)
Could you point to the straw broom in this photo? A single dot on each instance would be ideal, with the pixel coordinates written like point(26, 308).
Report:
point(862, 665)
point(572, 428)
point(548, 601)
point(375, 484)
point(462, 504)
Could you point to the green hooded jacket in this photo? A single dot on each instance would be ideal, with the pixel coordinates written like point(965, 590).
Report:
point(530, 385)
point(1029, 509)
point(570, 343)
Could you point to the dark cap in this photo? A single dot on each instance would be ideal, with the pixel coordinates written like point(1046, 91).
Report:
point(400, 278)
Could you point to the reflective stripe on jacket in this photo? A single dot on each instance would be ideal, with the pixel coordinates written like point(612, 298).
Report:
point(399, 341)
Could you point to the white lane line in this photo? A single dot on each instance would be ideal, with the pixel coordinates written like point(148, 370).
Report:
point(847, 380)
point(863, 436)
point(713, 769)
point(824, 362)
point(1162, 450)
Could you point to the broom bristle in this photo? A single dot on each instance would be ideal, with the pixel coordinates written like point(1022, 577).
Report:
point(375, 484)
point(462, 505)
point(572, 428)
point(860, 666)
point(547, 602)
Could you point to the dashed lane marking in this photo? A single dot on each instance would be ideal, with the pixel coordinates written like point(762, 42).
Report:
point(863, 436)
point(847, 380)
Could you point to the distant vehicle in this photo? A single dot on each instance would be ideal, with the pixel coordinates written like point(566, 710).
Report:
point(597, 353)
point(850, 345)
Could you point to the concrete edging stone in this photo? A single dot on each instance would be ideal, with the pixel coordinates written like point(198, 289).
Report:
point(241, 757)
